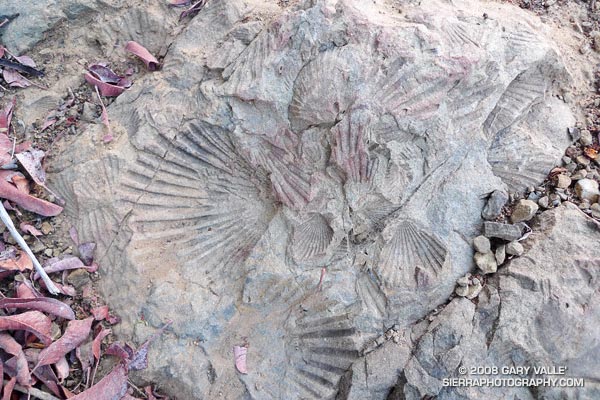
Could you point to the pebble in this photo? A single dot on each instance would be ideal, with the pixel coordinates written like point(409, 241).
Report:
point(595, 210)
point(493, 208)
point(79, 278)
point(563, 181)
point(89, 112)
point(554, 200)
point(514, 248)
point(586, 137)
point(561, 194)
point(48, 252)
point(474, 289)
point(482, 244)
point(38, 247)
point(524, 211)
point(580, 174)
point(584, 205)
point(46, 228)
point(544, 201)
point(587, 189)
point(574, 132)
point(567, 160)
point(486, 262)
point(461, 291)
point(463, 281)
point(500, 254)
point(583, 160)
point(502, 231)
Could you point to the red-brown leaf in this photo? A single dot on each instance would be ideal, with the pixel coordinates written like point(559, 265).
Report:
point(30, 203)
point(31, 160)
point(14, 79)
point(21, 262)
point(8, 389)
point(21, 183)
point(30, 229)
point(30, 321)
point(10, 345)
point(43, 304)
point(98, 341)
point(77, 331)
point(6, 115)
point(61, 264)
point(106, 89)
point(112, 387)
point(99, 313)
point(137, 49)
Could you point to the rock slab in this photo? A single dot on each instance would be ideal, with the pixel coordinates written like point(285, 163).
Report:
point(303, 179)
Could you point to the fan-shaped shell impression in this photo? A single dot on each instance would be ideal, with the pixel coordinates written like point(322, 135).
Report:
point(412, 257)
point(311, 238)
point(325, 88)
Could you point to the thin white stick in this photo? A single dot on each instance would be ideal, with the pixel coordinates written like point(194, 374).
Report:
point(19, 239)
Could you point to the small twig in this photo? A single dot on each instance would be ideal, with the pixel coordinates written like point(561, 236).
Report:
point(38, 394)
point(320, 285)
point(19, 239)
point(137, 389)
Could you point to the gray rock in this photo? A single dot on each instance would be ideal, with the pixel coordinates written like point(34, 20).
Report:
point(586, 137)
point(595, 210)
point(330, 133)
point(563, 181)
point(486, 262)
point(502, 231)
point(582, 160)
point(524, 210)
point(462, 291)
point(89, 112)
point(493, 207)
point(587, 189)
point(574, 133)
point(544, 202)
point(474, 289)
point(481, 244)
point(514, 248)
point(580, 174)
point(500, 254)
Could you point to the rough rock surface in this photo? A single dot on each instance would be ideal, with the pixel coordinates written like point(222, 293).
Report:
point(340, 140)
point(541, 311)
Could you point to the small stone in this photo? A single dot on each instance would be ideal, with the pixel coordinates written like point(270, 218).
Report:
point(486, 262)
point(56, 252)
point(544, 201)
point(514, 248)
point(461, 291)
point(571, 167)
point(500, 254)
point(502, 231)
point(586, 137)
point(474, 290)
point(574, 132)
point(463, 281)
point(587, 189)
point(567, 160)
point(482, 244)
point(38, 247)
point(563, 181)
point(79, 278)
point(580, 174)
point(583, 160)
point(493, 208)
point(584, 205)
point(48, 252)
point(46, 228)
point(89, 112)
point(595, 208)
point(524, 211)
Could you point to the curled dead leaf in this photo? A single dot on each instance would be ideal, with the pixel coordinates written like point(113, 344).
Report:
point(137, 49)
point(239, 354)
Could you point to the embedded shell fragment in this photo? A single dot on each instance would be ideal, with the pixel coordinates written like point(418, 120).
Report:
point(335, 134)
